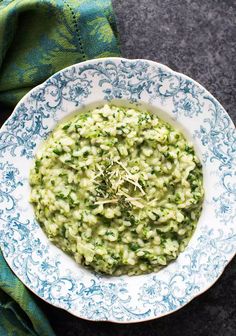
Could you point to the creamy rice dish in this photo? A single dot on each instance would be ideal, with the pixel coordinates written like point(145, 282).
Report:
point(118, 189)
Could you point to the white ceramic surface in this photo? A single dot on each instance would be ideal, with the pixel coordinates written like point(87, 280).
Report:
point(54, 276)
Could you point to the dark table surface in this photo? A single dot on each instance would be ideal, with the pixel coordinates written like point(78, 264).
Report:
point(197, 38)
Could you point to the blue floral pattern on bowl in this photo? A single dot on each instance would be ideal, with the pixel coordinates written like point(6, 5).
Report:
point(54, 276)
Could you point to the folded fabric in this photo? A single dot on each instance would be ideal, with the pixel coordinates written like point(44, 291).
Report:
point(38, 38)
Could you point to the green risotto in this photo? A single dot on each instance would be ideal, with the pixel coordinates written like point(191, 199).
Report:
point(118, 189)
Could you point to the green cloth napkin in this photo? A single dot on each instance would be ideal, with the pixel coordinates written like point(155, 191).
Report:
point(38, 38)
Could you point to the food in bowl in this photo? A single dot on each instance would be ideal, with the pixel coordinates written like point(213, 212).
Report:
point(119, 189)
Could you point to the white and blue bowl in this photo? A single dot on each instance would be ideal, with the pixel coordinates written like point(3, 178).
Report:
point(54, 276)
